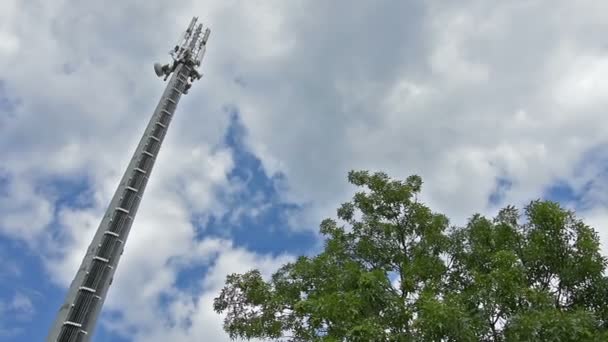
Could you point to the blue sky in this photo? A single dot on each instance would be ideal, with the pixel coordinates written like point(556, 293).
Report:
point(492, 104)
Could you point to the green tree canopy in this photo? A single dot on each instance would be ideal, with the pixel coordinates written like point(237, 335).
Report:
point(393, 270)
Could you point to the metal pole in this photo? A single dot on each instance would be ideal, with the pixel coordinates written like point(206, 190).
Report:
point(78, 315)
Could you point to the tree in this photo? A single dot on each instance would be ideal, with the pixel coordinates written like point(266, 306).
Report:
point(394, 270)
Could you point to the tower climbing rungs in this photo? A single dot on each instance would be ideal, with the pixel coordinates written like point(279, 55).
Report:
point(74, 324)
point(88, 289)
point(122, 209)
point(108, 232)
point(101, 259)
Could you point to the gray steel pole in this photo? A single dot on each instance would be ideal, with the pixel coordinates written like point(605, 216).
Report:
point(77, 317)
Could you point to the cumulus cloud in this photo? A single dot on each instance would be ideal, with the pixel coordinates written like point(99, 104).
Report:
point(191, 315)
point(24, 212)
point(22, 305)
point(473, 93)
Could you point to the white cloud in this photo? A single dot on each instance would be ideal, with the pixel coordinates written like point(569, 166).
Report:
point(24, 212)
point(22, 306)
point(188, 314)
point(449, 57)
point(472, 100)
point(9, 44)
point(584, 84)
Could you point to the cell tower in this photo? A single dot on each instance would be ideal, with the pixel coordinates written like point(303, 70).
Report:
point(77, 317)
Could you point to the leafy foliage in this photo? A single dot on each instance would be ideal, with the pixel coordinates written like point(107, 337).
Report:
point(397, 271)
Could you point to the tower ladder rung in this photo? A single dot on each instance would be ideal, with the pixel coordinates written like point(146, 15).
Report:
point(160, 124)
point(122, 209)
point(148, 153)
point(154, 138)
point(101, 259)
point(171, 100)
point(109, 232)
point(88, 289)
point(74, 324)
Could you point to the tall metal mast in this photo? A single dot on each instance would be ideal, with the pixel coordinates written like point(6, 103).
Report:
point(77, 317)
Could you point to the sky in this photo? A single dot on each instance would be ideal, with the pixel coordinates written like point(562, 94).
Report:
point(491, 103)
